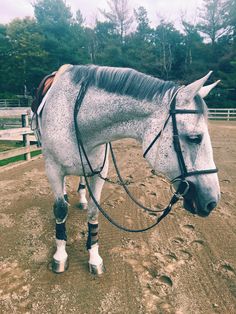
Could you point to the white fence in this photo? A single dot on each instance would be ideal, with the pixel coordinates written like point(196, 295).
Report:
point(18, 102)
point(222, 114)
point(9, 102)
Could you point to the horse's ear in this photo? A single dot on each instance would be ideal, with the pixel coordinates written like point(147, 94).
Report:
point(205, 90)
point(191, 90)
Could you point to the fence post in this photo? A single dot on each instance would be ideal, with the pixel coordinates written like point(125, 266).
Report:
point(26, 139)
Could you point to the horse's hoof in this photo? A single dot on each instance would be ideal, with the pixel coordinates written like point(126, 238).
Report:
point(83, 205)
point(97, 269)
point(59, 267)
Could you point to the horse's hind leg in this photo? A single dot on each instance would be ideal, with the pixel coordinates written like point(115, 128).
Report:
point(60, 208)
point(83, 203)
point(95, 261)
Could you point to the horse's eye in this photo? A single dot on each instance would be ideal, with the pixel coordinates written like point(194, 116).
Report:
point(194, 139)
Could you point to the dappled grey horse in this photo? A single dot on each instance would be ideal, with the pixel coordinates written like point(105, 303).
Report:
point(105, 104)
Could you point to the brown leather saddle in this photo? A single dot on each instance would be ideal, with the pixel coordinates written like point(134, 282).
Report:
point(41, 91)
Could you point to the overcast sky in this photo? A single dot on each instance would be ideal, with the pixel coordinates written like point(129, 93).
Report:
point(170, 9)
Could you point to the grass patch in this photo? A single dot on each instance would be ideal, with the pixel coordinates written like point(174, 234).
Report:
point(8, 145)
point(10, 123)
point(18, 158)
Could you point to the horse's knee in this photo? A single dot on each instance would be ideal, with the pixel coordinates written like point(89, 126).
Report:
point(60, 209)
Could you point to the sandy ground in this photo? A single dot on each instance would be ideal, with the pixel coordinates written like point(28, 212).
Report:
point(187, 265)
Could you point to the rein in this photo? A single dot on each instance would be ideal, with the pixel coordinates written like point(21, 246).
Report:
point(127, 190)
point(79, 99)
point(166, 211)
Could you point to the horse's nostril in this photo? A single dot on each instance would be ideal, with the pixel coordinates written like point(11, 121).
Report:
point(211, 206)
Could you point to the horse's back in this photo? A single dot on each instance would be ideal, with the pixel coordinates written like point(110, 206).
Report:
point(58, 133)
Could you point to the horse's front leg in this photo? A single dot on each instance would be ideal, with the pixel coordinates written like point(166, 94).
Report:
point(83, 203)
point(65, 191)
point(95, 261)
point(60, 209)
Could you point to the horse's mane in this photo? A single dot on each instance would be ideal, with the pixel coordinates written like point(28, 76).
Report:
point(122, 81)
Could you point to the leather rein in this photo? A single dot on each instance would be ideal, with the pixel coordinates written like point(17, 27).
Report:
point(183, 186)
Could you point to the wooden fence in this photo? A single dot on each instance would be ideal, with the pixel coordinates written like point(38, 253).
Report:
point(23, 133)
point(222, 114)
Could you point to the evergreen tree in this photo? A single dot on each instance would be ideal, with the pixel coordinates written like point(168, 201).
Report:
point(143, 28)
point(143, 59)
point(54, 19)
point(25, 56)
point(5, 62)
point(169, 50)
point(194, 51)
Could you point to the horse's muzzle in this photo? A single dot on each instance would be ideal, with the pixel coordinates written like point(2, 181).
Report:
point(197, 204)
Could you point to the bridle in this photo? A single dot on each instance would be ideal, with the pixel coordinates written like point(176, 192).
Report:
point(177, 145)
point(183, 186)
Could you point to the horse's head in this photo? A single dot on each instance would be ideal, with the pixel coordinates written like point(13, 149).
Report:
point(183, 151)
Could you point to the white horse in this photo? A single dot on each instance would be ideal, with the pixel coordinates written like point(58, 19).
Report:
point(123, 103)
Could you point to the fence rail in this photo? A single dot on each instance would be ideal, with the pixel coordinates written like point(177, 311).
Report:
point(23, 133)
point(18, 102)
point(222, 114)
point(10, 103)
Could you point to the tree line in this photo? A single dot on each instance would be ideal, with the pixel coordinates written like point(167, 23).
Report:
point(31, 48)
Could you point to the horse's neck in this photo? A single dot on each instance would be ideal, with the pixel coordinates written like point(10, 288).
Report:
point(106, 117)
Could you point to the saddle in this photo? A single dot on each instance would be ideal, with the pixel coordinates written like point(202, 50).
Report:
point(44, 86)
point(41, 91)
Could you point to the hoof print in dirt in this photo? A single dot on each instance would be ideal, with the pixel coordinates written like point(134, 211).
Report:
point(166, 280)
